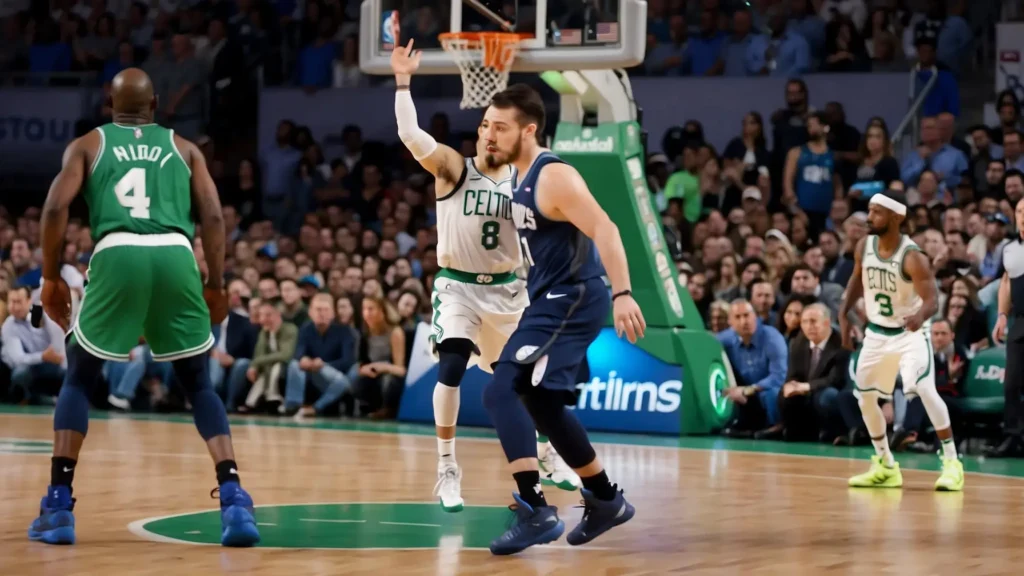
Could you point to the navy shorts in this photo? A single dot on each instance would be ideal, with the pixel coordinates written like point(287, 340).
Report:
point(555, 332)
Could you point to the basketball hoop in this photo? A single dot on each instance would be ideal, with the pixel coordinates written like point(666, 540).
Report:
point(484, 60)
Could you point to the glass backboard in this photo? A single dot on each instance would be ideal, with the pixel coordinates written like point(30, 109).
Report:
point(566, 34)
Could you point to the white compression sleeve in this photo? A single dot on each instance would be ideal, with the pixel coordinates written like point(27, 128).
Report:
point(417, 140)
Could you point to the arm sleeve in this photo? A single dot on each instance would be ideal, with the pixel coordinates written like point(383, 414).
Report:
point(417, 140)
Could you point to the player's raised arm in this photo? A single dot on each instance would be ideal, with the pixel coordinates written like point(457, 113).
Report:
point(442, 161)
point(917, 267)
point(854, 292)
point(211, 219)
point(566, 197)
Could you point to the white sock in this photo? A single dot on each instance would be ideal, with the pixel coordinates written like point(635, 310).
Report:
point(542, 449)
point(949, 449)
point(874, 421)
point(446, 449)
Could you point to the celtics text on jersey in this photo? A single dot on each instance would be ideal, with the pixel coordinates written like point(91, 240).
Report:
point(889, 294)
point(139, 183)
point(475, 232)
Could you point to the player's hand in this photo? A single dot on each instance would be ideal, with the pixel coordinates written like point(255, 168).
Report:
point(403, 60)
point(56, 299)
point(846, 333)
point(628, 318)
point(999, 332)
point(217, 302)
point(914, 322)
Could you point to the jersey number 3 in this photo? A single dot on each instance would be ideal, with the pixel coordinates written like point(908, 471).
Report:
point(131, 193)
point(884, 304)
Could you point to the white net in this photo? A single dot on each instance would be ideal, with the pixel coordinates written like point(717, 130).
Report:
point(484, 60)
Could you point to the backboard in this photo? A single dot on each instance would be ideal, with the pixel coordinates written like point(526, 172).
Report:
point(566, 34)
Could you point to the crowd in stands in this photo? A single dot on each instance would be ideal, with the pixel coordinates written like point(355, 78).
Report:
point(331, 261)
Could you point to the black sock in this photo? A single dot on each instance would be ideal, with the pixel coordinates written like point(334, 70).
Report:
point(62, 471)
point(599, 485)
point(227, 471)
point(529, 488)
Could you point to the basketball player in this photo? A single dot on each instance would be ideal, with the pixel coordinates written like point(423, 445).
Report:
point(140, 181)
point(565, 238)
point(898, 286)
point(477, 297)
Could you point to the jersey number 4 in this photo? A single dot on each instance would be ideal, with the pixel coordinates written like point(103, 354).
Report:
point(884, 304)
point(131, 193)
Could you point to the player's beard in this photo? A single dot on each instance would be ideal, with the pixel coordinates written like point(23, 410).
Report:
point(879, 231)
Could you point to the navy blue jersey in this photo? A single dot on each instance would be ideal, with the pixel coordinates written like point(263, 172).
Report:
point(557, 252)
point(814, 188)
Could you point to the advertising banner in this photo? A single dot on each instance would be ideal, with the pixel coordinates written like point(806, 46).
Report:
point(1009, 48)
point(628, 390)
point(35, 126)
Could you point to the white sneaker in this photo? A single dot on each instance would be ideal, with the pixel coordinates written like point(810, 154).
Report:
point(119, 403)
point(449, 487)
point(554, 471)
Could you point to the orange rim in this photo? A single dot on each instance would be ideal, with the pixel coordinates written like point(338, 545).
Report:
point(499, 48)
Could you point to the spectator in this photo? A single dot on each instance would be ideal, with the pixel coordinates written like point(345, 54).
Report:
point(805, 22)
point(669, 58)
point(315, 68)
point(236, 342)
point(947, 162)
point(970, 328)
point(34, 355)
point(293, 309)
point(274, 349)
point(838, 269)
point(280, 165)
point(749, 149)
point(727, 280)
point(381, 361)
point(185, 109)
point(1013, 154)
point(733, 61)
point(347, 73)
point(1013, 186)
point(762, 297)
point(810, 180)
point(791, 312)
point(759, 358)
point(927, 192)
point(985, 153)
point(945, 95)
point(844, 48)
point(785, 53)
point(855, 10)
point(844, 140)
point(160, 69)
point(26, 272)
point(817, 372)
point(705, 50)
point(685, 185)
point(697, 285)
point(49, 52)
point(124, 378)
point(325, 354)
point(955, 38)
point(1008, 107)
point(995, 239)
point(141, 26)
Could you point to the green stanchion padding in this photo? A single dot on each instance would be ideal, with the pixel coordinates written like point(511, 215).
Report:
point(983, 389)
point(610, 158)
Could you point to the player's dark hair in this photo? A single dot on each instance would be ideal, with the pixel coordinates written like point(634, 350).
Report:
point(525, 100)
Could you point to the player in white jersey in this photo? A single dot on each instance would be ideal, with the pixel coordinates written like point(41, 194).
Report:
point(477, 298)
point(896, 281)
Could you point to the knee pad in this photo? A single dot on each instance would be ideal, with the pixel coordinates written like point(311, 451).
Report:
point(454, 358)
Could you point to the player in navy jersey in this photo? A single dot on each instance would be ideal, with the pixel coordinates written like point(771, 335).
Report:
point(565, 238)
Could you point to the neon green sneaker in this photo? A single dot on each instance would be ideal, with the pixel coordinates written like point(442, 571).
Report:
point(879, 476)
point(952, 477)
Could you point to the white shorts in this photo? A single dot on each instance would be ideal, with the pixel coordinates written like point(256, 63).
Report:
point(485, 314)
point(891, 352)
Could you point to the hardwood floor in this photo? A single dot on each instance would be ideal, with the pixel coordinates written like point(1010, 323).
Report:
point(358, 501)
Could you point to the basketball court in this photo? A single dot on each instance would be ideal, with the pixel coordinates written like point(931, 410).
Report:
point(345, 497)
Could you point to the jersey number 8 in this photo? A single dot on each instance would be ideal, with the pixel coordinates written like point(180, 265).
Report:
point(131, 193)
point(490, 235)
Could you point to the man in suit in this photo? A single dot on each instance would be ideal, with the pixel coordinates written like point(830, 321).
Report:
point(817, 371)
point(806, 282)
point(235, 344)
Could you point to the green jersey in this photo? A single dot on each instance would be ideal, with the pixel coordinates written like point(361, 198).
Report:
point(139, 183)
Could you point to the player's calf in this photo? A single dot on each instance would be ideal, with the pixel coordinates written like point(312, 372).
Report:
point(454, 356)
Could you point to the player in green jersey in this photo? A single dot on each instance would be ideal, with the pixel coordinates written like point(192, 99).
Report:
point(140, 181)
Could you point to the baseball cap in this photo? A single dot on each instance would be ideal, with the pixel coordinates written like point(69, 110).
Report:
point(752, 193)
point(998, 217)
point(309, 280)
point(777, 235)
point(269, 250)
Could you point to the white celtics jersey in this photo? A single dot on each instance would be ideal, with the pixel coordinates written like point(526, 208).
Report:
point(889, 295)
point(475, 232)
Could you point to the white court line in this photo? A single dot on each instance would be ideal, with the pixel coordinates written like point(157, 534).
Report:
point(332, 521)
point(410, 524)
point(265, 524)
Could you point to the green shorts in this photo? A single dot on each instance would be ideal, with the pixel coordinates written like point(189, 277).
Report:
point(144, 286)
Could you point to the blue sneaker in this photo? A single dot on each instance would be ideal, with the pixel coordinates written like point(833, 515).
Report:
point(56, 522)
point(600, 516)
point(237, 517)
point(529, 528)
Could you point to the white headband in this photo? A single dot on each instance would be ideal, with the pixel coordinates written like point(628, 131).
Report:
point(886, 202)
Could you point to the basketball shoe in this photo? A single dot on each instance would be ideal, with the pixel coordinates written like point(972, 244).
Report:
point(529, 527)
point(56, 521)
point(555, 472)
point(878, 476)
point(237, 516)
point(952, 478)
point(600, 516)
point(449, 486)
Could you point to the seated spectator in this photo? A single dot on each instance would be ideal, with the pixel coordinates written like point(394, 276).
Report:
point(970, 328)
point(759, 359)
point(124, 378)
point(952, 365)
point(26, 272)
point(35, 355)
point(785, 53)
point(844, 48)
point(945, 94)
point(274, 349)
point(382, 364)
point(817, 372)
point(325, 354)
point(762, 297)
point(838, 269)
point(749, 150)
point(705, 49)
point(315, 68)
point(727, 281)
point(734, 60)
point(855, 11)
point(293, 309)
point(788, 320)
point(669, 58)
point(236, 341)
point(807, 283)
